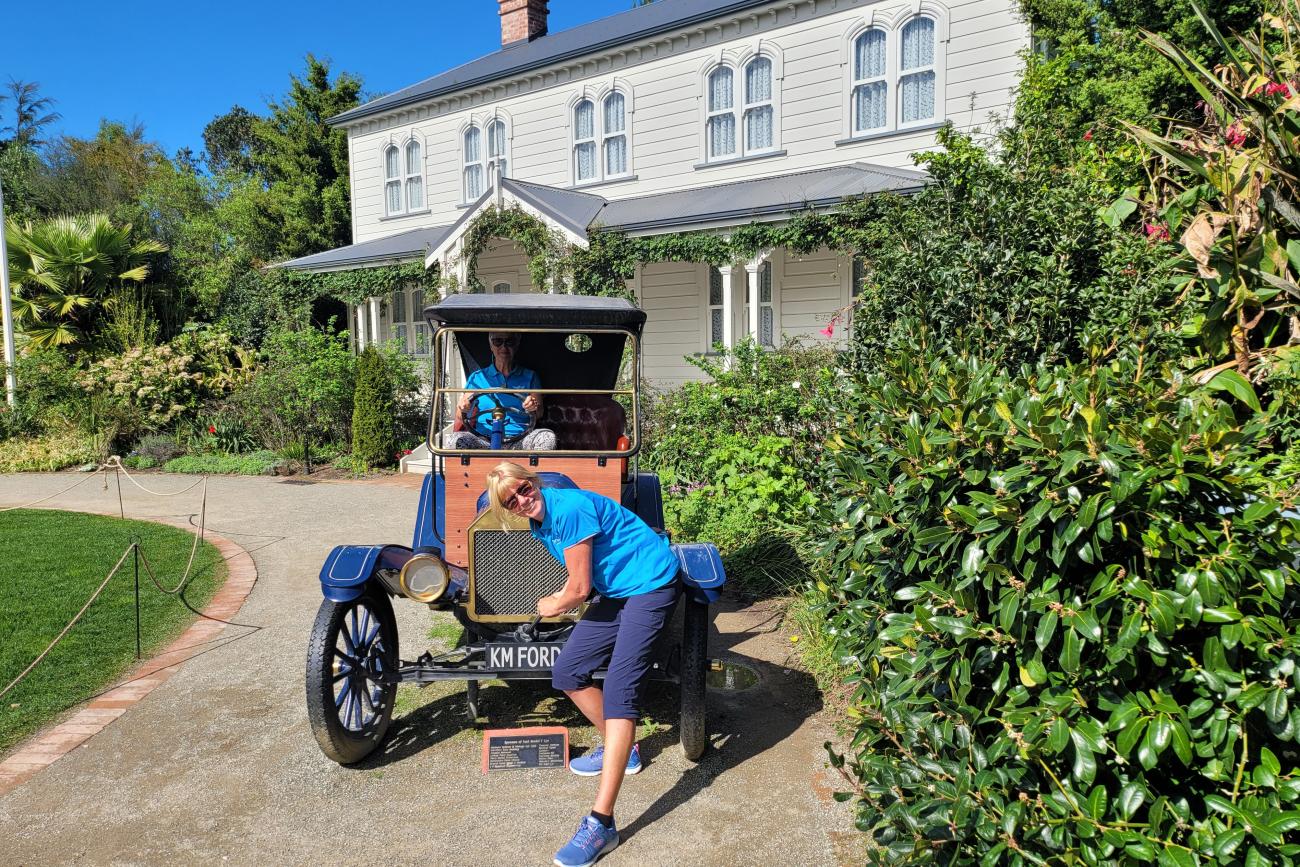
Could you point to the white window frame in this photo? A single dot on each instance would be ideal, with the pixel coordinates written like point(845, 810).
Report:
point(738, 63)
point(492, 162)
point(893, 28)
point(737, 132)
point(466, 163)
point(403, 177)
point(855, 83)
point(747, 106)
point(709, 307)
point(407, 330)
point(600, 137)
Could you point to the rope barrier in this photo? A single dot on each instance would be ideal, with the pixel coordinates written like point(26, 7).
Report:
point(59, 637)
point(64, 491)
point(115, 463)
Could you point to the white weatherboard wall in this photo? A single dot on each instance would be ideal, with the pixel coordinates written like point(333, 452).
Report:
point(664, 81)
point(671, 293)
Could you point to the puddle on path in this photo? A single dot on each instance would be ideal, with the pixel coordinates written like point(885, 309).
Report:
point(731, 676)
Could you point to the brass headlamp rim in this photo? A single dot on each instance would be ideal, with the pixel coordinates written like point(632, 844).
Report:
point(425, 596)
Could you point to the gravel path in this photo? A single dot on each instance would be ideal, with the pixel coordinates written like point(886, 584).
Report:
point(218, 766)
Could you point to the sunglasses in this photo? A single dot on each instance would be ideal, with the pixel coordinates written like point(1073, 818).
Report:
point(525, 489)
point(505, 341)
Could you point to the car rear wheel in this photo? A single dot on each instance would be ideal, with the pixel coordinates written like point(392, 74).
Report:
point(353, 644)
point(695, 662)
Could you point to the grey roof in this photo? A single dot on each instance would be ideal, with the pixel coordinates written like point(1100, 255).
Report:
point(742, 201)
point(409, 246)
point(519, 57)
point(572, 209)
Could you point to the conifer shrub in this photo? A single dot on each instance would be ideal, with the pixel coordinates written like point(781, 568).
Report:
point(1069, 606)
point(373, 423)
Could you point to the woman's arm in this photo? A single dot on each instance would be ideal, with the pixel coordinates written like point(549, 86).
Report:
point(577, 559)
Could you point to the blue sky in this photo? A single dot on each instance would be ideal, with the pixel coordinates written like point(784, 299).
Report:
point(175, 67)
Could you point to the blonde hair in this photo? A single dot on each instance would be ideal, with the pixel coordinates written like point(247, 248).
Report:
point(496, 481)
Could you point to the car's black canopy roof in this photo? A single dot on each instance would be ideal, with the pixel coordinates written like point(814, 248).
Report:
point(536, 311)
point(556, 364)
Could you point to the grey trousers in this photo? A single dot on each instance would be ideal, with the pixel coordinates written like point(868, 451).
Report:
point(539, 439)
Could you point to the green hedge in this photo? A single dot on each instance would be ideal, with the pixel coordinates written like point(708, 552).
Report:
point(254, 464)
point(1071, 613)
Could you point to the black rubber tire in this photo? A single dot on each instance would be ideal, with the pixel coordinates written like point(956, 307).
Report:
point(338, 741)
point(693, 728)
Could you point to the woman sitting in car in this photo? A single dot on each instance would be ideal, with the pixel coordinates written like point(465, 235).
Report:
point(503, 373)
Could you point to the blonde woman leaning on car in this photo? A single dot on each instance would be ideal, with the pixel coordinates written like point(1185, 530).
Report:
point(608, 549)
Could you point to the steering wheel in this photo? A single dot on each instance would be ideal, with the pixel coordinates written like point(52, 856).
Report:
point(479, 421)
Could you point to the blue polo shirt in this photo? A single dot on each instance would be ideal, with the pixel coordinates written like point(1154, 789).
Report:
point(520, 379)
point(627, 558)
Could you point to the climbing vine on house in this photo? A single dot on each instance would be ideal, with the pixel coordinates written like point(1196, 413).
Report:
point(354, 287)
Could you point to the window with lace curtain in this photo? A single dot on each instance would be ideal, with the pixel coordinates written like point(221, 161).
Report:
point(403, 179)
point(741, 110)
point(498, 164)
point(406, 316)
point(601, 139)
point(472, 156)
point(715, 308)
point(895, 77)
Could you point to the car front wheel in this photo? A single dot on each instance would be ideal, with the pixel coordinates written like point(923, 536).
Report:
point(353, 645)
point(695, 663)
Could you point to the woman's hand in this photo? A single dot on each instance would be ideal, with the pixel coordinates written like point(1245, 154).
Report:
point(533, 404)
point(551, 606)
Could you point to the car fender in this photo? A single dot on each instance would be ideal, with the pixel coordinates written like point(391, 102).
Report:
point(348, 568)
point(701, 570)
point(430, 530)
point(642, 496)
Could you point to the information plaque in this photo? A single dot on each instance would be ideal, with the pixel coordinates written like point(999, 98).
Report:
point(525, 748)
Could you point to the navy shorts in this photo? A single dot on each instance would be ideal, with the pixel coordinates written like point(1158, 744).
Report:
point(620, 633)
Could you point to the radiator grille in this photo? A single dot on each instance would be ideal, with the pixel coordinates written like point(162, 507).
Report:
point(509, 572)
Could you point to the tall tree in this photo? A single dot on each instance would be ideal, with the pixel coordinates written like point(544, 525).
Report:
point(31, 112)
point(305, 162)
point(106, 173)
point(229, 141)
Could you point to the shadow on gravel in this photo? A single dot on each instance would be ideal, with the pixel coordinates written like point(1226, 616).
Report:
point(742, 724)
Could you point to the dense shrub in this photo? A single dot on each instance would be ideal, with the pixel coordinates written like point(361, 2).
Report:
point(373, 423)
point(302, 392)
point(49, 395)
point(1008, 261)
point(1071, 613)
point(56, 450)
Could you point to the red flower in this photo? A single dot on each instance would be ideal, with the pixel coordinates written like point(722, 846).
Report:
point(212, 428)
point(406, 451)
point(1235, 135)
point(1274, 88)
point(829, 330)
point(1087, 136)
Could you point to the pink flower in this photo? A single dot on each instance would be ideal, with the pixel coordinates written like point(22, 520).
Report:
point(1156, 231)
point(1087, 136)
point(829, 330)
point(1275, 88)
point(1235, 135)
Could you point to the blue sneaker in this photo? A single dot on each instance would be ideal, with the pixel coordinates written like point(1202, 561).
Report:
point(590, 763)
point(588, 845)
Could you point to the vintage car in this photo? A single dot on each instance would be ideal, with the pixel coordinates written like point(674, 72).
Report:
point(586, 352)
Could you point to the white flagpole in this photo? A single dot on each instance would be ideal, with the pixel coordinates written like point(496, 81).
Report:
point(6, 308)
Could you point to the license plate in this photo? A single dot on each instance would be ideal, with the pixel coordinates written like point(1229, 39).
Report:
point(523, 657)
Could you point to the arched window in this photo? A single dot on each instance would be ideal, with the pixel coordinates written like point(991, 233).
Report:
point(473, 156)
point(614, 135)
point(585, 166)
point(916, 82)
point(760, 115)
point(414, 177)
point(870, 100)
point(497, 161)
point(392, 180)
point(722, 113)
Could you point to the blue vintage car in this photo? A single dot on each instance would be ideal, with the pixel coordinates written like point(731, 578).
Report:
point(586, 352)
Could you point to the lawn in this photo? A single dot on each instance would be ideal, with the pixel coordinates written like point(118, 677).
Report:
point(50, 564)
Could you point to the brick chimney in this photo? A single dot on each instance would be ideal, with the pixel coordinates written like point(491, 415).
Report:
point(522, 20)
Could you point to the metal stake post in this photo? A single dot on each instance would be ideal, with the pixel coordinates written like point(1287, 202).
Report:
point(135, 555)
point(6, 311)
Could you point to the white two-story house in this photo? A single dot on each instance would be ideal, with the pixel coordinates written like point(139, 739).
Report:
point(675, 116)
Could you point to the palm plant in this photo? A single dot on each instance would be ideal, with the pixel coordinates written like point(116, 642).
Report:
point(1228, 188)
point(31, 112)
point(65, 271)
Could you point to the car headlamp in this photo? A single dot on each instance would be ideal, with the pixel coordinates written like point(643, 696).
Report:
point(424, 578)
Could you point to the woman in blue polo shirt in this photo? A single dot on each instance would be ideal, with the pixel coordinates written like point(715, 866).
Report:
point(608, 549)
point(504, 373)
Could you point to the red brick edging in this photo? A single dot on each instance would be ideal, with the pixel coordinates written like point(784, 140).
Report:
point(50, 745)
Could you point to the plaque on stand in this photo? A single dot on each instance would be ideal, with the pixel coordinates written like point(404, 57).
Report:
point(543, 747)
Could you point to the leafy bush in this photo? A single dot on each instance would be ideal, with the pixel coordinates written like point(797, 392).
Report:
point(303, 390)
point(49, 395)
point(255, 464)
point(51, 451)
point(139, 462)
point(1071, 614)
point(159, 448)
point(373, 424)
